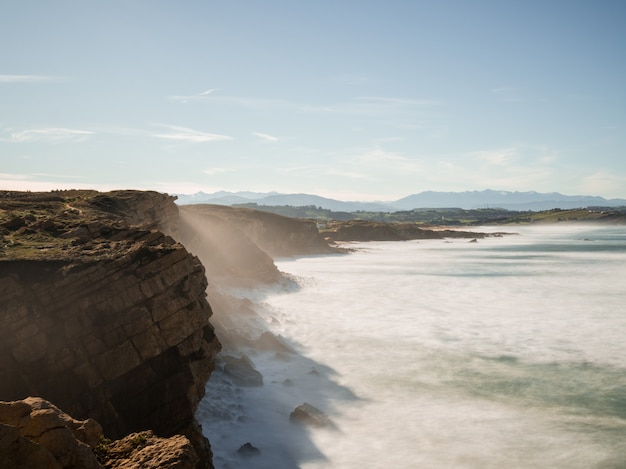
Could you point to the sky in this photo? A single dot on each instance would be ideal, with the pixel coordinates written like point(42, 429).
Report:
point(349, 99)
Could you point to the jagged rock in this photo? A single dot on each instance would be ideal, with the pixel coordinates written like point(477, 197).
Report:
point(247, 450)
point(17, 452)
point(268, 342)
point(242, 371)
point(68, 441)
point(144, 450)
point(309, 415)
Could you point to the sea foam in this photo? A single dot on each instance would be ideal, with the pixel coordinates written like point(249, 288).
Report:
point(503, 353)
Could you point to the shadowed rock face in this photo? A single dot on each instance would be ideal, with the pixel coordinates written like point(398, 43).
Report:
point(36, 434)
point(102, 313)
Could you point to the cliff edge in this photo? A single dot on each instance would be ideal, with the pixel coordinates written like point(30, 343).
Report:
point(102, 313)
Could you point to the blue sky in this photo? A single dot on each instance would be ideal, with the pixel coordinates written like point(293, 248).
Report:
point(356, 100)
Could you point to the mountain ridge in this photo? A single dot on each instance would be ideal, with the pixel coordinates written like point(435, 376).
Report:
point(509, 200)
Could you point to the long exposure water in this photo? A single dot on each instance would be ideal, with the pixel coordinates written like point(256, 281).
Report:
point(508, 352)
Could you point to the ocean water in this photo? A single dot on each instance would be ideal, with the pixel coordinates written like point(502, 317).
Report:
point(509, 352)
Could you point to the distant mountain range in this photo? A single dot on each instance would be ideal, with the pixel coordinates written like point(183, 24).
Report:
point(534, 201)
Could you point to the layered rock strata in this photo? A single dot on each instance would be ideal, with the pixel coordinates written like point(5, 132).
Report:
point(104, 317)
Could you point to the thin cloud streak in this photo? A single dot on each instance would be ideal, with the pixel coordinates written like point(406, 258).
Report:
point(50, 135)
point(242, 101)
point(212, 90)
point(190, 135)
point(31, 79)
point(350, 175)
point(267, 137)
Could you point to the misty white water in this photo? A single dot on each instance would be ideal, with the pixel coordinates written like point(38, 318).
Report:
point(509, 352)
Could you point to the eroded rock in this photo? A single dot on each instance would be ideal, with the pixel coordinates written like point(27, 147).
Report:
point(307, 414)
point(35, 426)
point(144, 450)
point(241, 371)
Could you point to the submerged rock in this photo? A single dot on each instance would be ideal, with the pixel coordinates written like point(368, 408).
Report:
point(242, 371)
point(247, 450)
point(307, 414)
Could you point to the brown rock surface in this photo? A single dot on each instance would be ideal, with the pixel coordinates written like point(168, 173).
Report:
point(102, 313)
point(39, 435)
point(145, 450)
point(308, 414)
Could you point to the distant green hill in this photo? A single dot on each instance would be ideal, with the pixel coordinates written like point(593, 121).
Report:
point(452, 216)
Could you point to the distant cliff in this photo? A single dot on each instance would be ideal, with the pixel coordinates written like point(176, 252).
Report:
point(102, 313)
point(238, 245)
point(360, 230)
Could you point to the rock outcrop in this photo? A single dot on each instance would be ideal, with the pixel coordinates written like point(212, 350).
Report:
point(36, 434)
point(306, 414)
point(102, 313)
point(145, 450)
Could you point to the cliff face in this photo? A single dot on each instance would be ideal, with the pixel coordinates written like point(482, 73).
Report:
point(104, 317)
point(239, 244)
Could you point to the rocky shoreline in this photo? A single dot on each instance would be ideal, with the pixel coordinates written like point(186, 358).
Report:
point(104, 313)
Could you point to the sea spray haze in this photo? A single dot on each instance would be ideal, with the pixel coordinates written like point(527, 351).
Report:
point(507, 352)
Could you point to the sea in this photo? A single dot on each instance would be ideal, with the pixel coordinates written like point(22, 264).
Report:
point(507, 352)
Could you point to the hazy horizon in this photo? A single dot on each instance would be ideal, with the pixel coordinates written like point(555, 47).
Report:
point(352, 101)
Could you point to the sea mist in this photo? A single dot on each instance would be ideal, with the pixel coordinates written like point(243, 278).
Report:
point(503, 353)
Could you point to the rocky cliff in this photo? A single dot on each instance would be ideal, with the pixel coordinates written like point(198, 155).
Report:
point(102, 313)
point(238, 245)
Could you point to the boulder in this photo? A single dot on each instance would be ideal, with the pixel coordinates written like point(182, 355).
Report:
point(310, 415)
point(37, 426)
point(247, 450)
point(242, 371)
point(18, 452)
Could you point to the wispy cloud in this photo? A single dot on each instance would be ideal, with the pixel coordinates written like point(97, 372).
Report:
point(295, 169)
point(31, 79)
point(500, 156)
point(350, 174)
point(216, 171)
point(387, 158)
point(610, 184)
point(242, 101)
point(12, 176)
point(376, 106)
point(49, 135)
point(190, 135)
point(266, 137)
point(519, 167)
point(60, 176)
point(207, 92)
